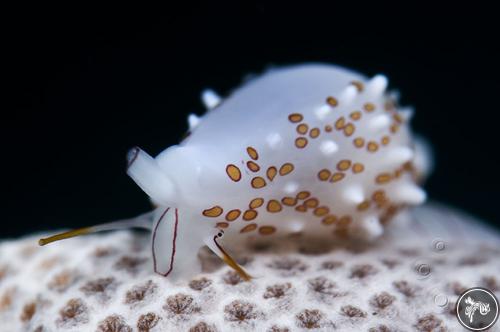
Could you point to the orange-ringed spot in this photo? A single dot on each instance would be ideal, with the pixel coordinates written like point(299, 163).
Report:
point(358, 168)
point(213, 212)
point(359, 142)
point(271, 173)
point(340, 123)
point(321, 211)
point(349, 129)
point(372, 146)
point(311, 202)
point(233, 172)
point(303, 194)
point(383, 178)
point(256, 203)
point(273, 206)
point(301, 142)
point(343, 165)
point(295, 117)
point(286, 168)
point(289, 201)
point(248, 228)
point(332, 101)
point(249, 215)
point(324, 175)
point(258, 182)
point(233, 215)
point(336, 177)
point(359, 86)
point(314, 133)
point(301, 208)
point(267, 230)
point(363, 206)
point(302, 128)
point(369, 107)
point(254, 167)
point(252, 153)
point(330, 219)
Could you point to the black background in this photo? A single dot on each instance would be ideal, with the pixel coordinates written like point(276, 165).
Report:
point(86, 84)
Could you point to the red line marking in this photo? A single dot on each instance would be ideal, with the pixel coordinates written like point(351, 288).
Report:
point(135, 150)
point(173, 243)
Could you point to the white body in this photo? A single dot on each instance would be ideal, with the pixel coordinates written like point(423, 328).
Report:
point(358, 171)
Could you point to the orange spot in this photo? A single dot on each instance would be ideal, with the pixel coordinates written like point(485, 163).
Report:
point(273, 206)
point(303, 194)
point(383, 178)
point(248, 228)
point(290, 201)
point(233, 215)
point(321, 211)
point(249, 215)
point(314, 133)
point(213, 212)
point(394, 128)
point(233, 172)
point(389, 213)
point(222, 225)
point(386, 140)
point(254, 167)
point(408, 166)
point(349, 129)
point(267, 230)
point(356, 115)
point(343, 165)
point(302, 129)
point(369, 107)
point(336, 177)
point(359, 86)
point(363, 205)
point(332, 101)
point(256, 203)
point(358, 168)
point(271, 173)
point(397, 118)
point(301, 208)
point(324, 174)
point(311, 202)
point(328, 128)
point(286, 168)
point(295, 117)
point(359, 142)
point(379, 197)
point(252, 153)
point(330, 219)
point(258, 182)
point(372, 146)
point(301, 142)
point(340, 123)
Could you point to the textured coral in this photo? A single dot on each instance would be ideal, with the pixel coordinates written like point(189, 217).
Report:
point(104, 283)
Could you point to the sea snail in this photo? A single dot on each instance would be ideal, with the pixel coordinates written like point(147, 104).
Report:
point(314, 149)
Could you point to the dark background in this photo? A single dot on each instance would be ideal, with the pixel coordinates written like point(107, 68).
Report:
point(86, 85)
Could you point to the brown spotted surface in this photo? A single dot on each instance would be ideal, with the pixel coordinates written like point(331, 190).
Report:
point(270, 141)
point(104, 283)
